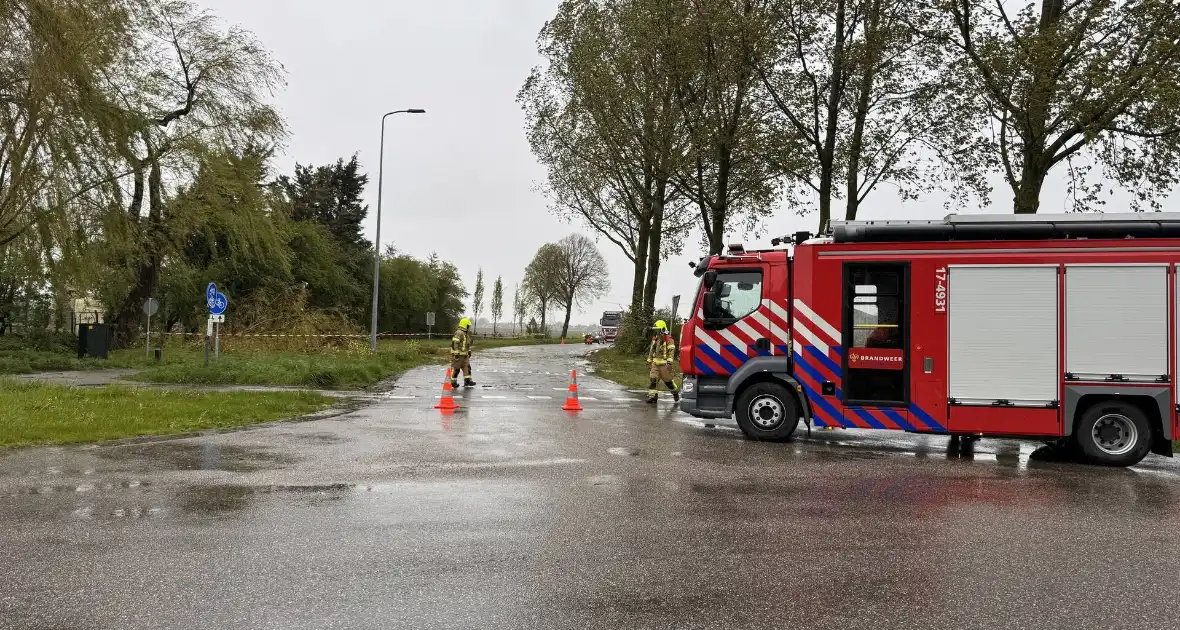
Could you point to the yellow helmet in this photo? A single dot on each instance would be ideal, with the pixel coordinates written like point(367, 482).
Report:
point(662, 325)
point(465, 323)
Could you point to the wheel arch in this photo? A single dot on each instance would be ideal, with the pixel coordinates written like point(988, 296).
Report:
point(1148, 404)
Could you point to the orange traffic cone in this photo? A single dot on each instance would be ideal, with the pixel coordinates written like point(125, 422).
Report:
point(446, 402)
point(563, 341)
point(571, 400)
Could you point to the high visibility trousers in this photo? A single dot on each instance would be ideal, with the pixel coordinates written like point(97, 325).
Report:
point(460, 362)
point(660, 372)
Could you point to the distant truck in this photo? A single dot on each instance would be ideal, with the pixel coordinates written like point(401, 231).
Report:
point(610, 323)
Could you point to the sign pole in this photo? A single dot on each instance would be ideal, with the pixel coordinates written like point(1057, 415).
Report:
point(208, 332)
point(147, 345)
point(217, 341)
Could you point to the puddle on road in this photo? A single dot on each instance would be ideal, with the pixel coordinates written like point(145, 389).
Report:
point(210, 456)
point(233, 498)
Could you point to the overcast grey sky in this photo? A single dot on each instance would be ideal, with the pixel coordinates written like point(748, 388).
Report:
point(460, 180)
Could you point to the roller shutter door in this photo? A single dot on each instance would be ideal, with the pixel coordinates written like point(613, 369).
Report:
point(1003, 329)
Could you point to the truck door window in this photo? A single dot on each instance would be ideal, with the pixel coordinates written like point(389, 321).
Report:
point(875, 310)
point(736, 295)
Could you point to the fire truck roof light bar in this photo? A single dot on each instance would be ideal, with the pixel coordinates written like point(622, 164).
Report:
point(1010, 227)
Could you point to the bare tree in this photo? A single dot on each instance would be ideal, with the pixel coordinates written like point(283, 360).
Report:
point(581, 275)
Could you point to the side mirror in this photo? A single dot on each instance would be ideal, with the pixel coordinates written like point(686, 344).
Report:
point(710, 279)
point(709, 304)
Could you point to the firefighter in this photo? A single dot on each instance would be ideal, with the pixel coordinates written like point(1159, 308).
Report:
point(461, 354)
point(659, 357)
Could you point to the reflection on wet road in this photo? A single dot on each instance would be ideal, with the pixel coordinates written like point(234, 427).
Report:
point(513, 514)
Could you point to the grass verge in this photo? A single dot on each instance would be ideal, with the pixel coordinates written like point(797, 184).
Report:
point(349, 367)
point(36, 413)
point(623, 368)
point(253, 361)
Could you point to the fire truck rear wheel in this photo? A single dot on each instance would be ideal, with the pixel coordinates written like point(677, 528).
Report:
point(767, 411)
point(1113, 433)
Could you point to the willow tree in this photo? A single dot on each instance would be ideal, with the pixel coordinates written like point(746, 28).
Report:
point(51, 113)
point(1078, 85)
point(187, 84)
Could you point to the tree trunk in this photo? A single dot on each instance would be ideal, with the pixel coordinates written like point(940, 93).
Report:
point(637, 283)
point(835, 95)
point(565, 326)
point(864, 92)
point(544, 312)
point(654, 245)
point(1027, 198)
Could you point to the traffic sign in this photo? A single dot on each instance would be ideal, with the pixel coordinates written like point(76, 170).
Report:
point(211, 295)
point(219, 319)
point(218, 304)
point(151, 307)
point(430, 318)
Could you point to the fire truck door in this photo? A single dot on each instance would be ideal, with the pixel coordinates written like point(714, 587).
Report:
point(876, 369)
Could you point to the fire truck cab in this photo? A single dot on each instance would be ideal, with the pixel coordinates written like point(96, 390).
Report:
point(1059, 328)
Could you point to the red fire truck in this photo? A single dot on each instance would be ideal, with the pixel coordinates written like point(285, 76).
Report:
point(1060, 328)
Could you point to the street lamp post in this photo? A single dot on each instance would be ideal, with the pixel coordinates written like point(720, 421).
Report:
point(377, 239)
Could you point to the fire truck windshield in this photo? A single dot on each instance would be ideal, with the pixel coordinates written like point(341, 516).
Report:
point(734, 295)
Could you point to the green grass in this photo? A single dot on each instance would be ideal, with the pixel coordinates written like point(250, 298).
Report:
point(37, 413)
point(20, 355)
point(350, 367)
point(623, 368)
point(250, 361)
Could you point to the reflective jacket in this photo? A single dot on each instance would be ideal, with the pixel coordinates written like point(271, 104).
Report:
point(461, 343)
point(661, 349)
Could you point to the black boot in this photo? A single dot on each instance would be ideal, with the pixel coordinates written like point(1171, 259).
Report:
point(651, 400)
point(675, 394)
point(468, 383)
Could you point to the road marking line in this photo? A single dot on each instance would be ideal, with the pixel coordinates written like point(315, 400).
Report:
point(400, 397)
point(626, 400)
point(588, 398)
point(601, 390)
point(560, 389)
point(494, 397)
point(540, 398)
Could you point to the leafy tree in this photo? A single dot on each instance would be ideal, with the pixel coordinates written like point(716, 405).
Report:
point(580, 275)
point(869, 102)
point(477, 298)
point(517, 310)
point(331, 196)
point(186, 84)
point(1075, 84)
point(730, 172)
point(448, 292)
point(541, 279)
point(602, 117)
point(52, 109)
point(497, 302)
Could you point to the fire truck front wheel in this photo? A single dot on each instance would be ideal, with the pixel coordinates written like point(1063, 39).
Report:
point(1113, 433)
point(767, 411)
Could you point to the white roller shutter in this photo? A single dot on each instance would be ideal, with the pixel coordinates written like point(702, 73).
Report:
point(1003, 334)
point(1116, 321)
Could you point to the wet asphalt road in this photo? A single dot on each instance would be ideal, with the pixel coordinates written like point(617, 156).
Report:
point(512, 514)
